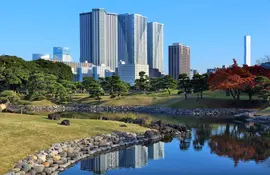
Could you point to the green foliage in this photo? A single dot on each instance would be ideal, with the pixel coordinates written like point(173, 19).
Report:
point(9, 96)
point(184, 84)
point(114, 86)
point(167, 82)
point(93, 87)
point(142, 83)
point(199, 84)
point(60, 70)
point(263, 87)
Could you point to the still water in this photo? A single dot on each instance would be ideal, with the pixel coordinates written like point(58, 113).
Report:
point(208, 149)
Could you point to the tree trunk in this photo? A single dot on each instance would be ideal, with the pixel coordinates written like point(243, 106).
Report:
point(201, 95)
point(185, 95)
point(250, 94)
point(169, 91)
point(233, 95)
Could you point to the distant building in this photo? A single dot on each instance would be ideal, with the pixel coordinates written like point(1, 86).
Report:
point(130, 72)
point(62, 54)
point(155, 46)
point(100, 72)
point(79, 76)
point(247, 50)
point(99, 38)
point(212, 70)
point(179, 60)
point(154, 73)
point(266, 65)
point(191, 74)
point(37, 56)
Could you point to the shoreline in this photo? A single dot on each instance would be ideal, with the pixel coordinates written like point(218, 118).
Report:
point(61, 156)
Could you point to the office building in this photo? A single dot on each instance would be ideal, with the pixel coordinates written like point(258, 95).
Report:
point(37, 56)
point(134, 157)
point(179, 60)
point(62, 54)
point(101, 72)
point(247, 50)
point(156, 151)
point(155, 45)
point(132, 39)
point(102, 163)
point(154, 73)
point(191, 74)
point(130, 72)
point(99, 38)
point(212, 70)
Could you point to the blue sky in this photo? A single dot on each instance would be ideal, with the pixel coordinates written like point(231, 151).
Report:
point(214, 29)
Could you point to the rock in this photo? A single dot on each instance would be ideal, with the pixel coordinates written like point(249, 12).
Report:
point(56, 158)
point(65, 123)
point(46, 164)
point(105, 118)
point(39, 168)
point(20, 173)
point(26, 167)
point(55, 116)
point(48, 170)
point(16, 170)
point(123, 125)
point(41, 157)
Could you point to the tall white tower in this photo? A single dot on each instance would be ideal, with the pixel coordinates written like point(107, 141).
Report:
point(247, 48)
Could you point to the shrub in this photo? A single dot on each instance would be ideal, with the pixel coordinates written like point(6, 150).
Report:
point(9, 96)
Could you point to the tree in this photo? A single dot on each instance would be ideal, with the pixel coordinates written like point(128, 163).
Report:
point(199, 84)
point(167, 82)
point(263, 60)
point(184, 84)
point(70, 87)
point(142, 83)
point(59, 69)
point(155, 84)
point(263, 86)
point(234, 78)
point(93, 87)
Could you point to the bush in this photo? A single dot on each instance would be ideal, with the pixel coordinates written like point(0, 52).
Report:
point(9, 96)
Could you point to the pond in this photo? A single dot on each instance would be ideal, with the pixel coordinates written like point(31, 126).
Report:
point(208, 149)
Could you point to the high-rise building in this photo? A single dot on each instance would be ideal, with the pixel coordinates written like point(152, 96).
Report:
point(155, 45)
point(132, 38)
point(179, 60)
point(156, 151)
point(37, 56)
point(99, 38)
point(130, 72)
point(247, 50)
point(62, 54)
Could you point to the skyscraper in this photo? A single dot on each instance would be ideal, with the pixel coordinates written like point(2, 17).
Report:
point(62, 54)
point(99, 38)
point(247, 50)
point(132, 38)
point(179, 60)
point(155, 45)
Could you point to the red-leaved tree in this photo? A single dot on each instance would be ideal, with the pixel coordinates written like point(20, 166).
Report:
point(234, 78)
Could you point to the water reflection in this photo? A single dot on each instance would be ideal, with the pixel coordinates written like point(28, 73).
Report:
point(206, 149)
point(134, 157)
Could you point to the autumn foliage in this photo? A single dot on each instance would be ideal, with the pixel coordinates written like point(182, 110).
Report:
point(237, 79)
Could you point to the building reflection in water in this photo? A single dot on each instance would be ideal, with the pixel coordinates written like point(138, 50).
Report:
point(134, 157)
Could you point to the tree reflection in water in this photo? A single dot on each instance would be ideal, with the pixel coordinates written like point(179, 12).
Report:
point(241, 143)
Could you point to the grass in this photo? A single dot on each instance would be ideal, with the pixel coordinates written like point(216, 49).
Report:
point(217, 99)
point(265, 111)
point(22, 135)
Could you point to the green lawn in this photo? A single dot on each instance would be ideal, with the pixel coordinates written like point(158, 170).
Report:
point(22, 135)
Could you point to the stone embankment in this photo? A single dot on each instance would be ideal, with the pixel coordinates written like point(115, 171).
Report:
point(127, 109)
point(61, 156)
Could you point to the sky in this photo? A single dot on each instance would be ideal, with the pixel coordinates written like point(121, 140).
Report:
point(214, 29)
